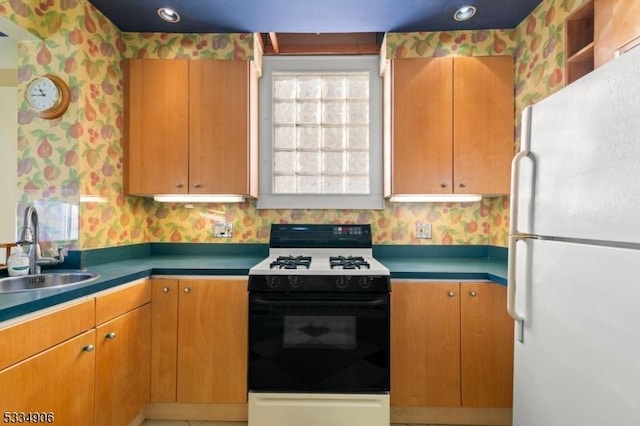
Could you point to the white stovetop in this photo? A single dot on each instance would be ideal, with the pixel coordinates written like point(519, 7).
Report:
point(320, 262)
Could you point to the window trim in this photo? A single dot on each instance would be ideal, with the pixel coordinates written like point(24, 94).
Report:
point(342, 63)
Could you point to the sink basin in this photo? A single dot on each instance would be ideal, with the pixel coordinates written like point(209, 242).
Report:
point(44, 281)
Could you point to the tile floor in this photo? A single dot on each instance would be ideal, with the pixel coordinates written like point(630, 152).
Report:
point(203, 423)
point(189, 423)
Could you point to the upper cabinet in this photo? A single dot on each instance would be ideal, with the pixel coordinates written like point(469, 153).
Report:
point(596, 31)
point(617, 28)
point(579, 43)
point(483, 124)
point(422, 126)
point(451, 125)
point(190, 127)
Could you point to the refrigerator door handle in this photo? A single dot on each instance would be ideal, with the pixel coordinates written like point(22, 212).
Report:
point(514, 235)
point(511, 278)
point(515, 170)
point(512, 286)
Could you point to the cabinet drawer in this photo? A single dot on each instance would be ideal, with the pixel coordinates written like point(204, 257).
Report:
point(121, 300)
point(27, 338)
point(58, 382)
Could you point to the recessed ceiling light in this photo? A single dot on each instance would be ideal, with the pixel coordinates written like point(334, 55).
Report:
point(168, 14)
point(464, 13)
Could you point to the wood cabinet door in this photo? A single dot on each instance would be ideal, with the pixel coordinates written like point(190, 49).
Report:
point(156, 126)
point(627, 22)
point(425, 344)
point(421, 158)
point(59, 380)
point(487, 346)
point(123, 355)
point(122, 299)
point(44, 331)
point(616, 24)
point(164, 339)
point(219, 127)
point(483, 124)
point(212, 341)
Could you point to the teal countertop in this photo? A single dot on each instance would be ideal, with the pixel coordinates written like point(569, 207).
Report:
point(119, 265)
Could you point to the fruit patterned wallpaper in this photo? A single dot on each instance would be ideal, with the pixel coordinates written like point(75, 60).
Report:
point(64, 162)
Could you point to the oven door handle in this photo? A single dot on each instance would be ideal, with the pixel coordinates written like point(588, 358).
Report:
point(315, 301)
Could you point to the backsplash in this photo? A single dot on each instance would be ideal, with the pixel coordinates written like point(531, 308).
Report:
point(455, 223)
point(64, 161)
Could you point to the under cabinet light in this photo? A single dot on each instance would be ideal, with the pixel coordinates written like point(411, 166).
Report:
point(435, 198)
point(199, 198)
point(84, 198)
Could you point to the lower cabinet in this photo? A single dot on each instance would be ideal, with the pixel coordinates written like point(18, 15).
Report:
point(123, 354)
point(486, 336)
point(54, 386)
point(199, 340)
point(425, 344)
point(451, 345)
point(122, 367)
point(84, 363)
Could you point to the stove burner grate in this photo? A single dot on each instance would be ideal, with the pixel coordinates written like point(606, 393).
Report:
point(348, 262)
point(291, 262)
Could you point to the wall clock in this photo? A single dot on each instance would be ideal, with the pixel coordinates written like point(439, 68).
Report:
point(47, 96)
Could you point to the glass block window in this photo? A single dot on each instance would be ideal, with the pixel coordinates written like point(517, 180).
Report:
point(321, 133)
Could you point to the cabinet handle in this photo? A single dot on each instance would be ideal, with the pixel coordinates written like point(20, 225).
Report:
point(473, 293)
point(463, 185)
point(187, 290)
point(444, 185)
point(88, 348)
point(110, 336)
point(165, 289)
point(451, 293)
point(197, 185)
point(178, 185)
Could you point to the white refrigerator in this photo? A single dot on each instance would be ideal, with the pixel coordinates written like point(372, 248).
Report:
point(574, 253)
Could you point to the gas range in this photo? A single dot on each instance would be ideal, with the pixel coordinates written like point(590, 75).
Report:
point(320, 258)
point(319, 329)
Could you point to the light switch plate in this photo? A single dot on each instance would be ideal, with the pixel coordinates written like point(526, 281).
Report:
point(222, 230)
point(423, 231)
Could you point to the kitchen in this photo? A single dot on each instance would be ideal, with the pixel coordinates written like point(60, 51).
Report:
point(90, 131)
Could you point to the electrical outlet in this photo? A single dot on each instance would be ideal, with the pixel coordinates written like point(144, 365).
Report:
point(222, 230)
point(423, 230)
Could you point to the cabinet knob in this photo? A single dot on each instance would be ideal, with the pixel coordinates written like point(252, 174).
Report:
point(451, 293)
point(444, 185)
point(110, 336)
point(197, 185)
point(178, 185)
point(473, 293)
point(88, 348)
point(165, 289)
point(187, 290)
point(463, 184)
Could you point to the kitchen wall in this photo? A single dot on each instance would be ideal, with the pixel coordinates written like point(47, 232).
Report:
point(8, 129)
point(538, 47)
point(540, 53)
point(62, 161)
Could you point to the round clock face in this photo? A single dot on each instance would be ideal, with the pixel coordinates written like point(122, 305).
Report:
point(42, 94)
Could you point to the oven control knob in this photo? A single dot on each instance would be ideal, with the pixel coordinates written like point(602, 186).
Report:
point(295, 281)
point(365, 282)
point(341, 282)
point(273, 282)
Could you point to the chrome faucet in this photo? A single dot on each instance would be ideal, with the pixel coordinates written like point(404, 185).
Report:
point(29, 235)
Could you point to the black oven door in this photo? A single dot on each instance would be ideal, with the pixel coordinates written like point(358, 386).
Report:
point(312, 342)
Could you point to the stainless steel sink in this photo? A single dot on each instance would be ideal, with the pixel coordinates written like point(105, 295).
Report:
point(44, 281)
